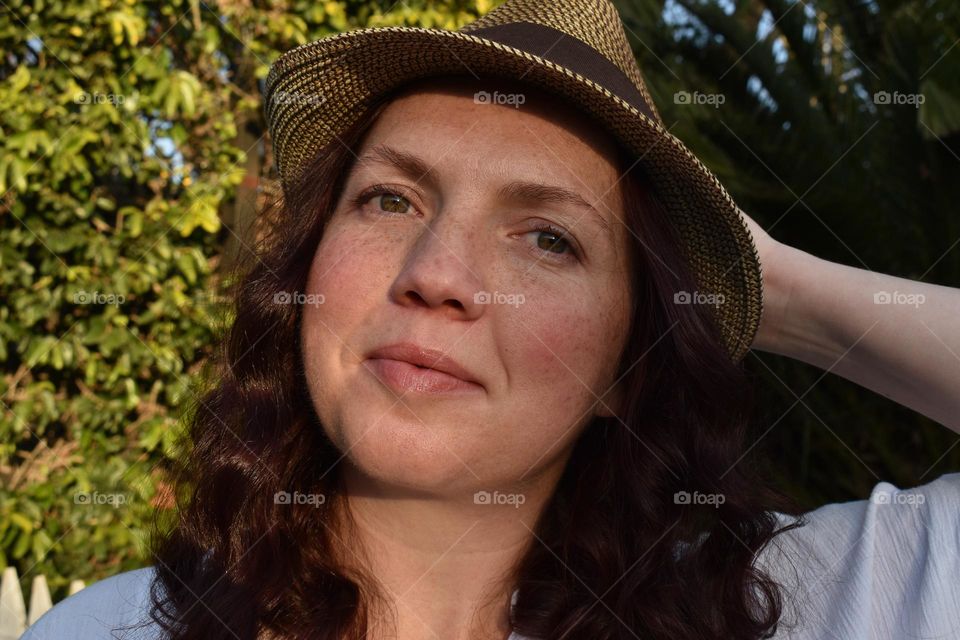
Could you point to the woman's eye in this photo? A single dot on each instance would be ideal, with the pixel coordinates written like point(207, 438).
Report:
point(387, 199)
point(393, 203)
point(553, 241)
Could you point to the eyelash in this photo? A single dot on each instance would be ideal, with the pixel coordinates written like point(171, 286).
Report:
point(380, 190)
point(543, 227)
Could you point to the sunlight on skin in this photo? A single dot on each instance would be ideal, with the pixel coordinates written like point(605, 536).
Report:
point(406, 267)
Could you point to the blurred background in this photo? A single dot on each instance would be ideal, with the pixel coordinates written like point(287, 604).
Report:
point(134, 158)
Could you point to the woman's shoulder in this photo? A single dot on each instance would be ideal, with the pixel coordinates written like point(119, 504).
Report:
point(115, 607)
point(930, 510)
point(878, 567)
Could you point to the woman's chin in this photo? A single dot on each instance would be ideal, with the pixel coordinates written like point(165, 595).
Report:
point(410, 454)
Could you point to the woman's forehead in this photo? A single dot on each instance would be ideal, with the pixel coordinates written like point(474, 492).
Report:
point(487, 150)
point(508, 97)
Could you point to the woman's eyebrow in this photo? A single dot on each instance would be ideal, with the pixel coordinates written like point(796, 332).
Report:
point(536, 192)
point(407, 163)
point(517, 190)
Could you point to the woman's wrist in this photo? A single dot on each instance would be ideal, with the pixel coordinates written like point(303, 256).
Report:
point(795, 297)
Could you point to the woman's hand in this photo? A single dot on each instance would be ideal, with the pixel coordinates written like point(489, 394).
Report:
point(897, 337)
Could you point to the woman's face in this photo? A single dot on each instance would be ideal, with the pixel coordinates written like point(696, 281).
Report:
point(450, 256)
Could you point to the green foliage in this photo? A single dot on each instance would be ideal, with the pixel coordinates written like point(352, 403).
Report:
point(125, 132)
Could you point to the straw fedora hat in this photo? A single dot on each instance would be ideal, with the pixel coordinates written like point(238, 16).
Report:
point(575, 48)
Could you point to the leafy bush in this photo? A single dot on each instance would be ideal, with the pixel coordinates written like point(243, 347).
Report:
point(133, 147)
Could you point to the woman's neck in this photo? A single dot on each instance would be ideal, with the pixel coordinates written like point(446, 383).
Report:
point(445, 563)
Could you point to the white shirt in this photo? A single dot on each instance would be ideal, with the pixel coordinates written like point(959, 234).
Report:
point(885, 567)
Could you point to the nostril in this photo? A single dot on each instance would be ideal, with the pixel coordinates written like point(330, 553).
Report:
point(416, 297)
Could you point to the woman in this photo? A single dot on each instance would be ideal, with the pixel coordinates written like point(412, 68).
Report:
point(483, 380)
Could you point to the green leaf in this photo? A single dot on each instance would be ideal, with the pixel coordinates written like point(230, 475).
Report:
point(186, 264)
point(21, 546)
point(21, 521)
point(16, 176)
point(19, 79)
point(124, 25)
point(940, 111)
point(42, 543)
point(106, 204)
point(203, 212)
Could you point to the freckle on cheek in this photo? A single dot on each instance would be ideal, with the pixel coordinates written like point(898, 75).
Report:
point(349, 271)
point(548, 345)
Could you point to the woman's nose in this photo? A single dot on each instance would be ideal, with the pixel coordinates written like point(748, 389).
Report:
point(440, 271)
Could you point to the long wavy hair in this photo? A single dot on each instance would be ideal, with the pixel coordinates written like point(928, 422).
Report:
point(620, 556)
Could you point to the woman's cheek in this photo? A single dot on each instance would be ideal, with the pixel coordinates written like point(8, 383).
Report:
point(556, 345)
point(549, 398)
point(348, 268)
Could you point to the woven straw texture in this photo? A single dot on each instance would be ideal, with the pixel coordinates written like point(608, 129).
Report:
point(315, 91)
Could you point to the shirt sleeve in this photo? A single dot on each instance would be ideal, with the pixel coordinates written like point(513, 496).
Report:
point(884, 567)
point(114, 608)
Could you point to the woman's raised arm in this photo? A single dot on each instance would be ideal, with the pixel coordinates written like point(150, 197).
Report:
point(897, 337)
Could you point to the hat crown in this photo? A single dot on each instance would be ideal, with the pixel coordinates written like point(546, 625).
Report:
point(596, 23)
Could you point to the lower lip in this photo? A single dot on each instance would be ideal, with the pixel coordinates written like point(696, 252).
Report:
point(404, 377)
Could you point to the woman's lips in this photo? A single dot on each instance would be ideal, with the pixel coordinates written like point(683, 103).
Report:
point(403, 377)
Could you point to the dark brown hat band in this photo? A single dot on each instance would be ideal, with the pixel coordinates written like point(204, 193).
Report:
point(566, 51)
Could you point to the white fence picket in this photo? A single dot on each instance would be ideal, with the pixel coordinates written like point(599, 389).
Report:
point(13, 610)
point(40, 601)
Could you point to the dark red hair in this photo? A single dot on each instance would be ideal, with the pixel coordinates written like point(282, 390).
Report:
point(618, 556)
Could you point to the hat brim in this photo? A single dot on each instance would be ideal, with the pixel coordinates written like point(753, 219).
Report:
point(315, 91)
